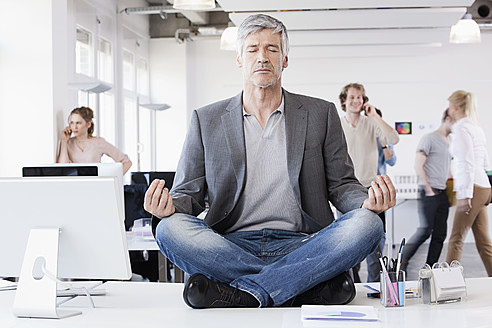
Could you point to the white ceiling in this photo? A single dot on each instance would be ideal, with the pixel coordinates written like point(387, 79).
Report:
point(395, 27)
point(269, 5)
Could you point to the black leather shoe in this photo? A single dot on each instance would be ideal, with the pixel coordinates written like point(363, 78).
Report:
point(336, 291)
point(201, 292)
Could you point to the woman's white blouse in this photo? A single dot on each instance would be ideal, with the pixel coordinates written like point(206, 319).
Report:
point(469, 150)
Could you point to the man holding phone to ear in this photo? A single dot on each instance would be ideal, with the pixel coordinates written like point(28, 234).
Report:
point(363, 127)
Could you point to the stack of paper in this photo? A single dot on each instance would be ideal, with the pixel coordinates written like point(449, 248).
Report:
point(339, 316)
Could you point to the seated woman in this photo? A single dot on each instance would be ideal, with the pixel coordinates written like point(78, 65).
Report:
point(83, 147)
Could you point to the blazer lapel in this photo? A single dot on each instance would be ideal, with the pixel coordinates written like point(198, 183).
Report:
point(232, 123)
point(295, 130)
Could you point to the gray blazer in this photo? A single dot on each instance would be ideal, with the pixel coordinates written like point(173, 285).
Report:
point(213, 162)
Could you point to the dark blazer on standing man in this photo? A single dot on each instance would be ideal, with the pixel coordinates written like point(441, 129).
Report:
point(213, 162)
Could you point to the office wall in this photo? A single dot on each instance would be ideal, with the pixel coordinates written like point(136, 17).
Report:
point(29, 78)
point(413, 87)
point(37, 61)
point(406, 88)
point(168, 75)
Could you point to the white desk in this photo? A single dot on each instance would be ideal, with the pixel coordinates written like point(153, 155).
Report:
point(139, 304)
point(136, 243)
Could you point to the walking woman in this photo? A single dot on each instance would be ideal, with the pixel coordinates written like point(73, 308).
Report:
point(471, 183)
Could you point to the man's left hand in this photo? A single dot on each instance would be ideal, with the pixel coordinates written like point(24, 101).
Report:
point(382, 195)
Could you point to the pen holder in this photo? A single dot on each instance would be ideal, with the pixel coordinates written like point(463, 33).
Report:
point(392, 288)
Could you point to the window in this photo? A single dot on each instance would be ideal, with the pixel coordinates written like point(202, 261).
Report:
point(83, 52)
point(105, 61)
point(128, 70)
point(145, 146)
point(130, 106)
point(107, 117)
point(143, 77)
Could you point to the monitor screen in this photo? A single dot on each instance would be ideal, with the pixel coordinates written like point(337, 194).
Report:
point(55, 171)
point(87, 210)
point(147, 177)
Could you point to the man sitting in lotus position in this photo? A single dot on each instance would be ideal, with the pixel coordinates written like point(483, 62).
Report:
point(268, 162)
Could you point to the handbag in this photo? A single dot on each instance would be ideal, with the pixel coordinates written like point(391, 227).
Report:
point(450, 192)
point(489, 174)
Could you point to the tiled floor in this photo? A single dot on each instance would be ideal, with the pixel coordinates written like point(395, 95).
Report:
point(472, 264)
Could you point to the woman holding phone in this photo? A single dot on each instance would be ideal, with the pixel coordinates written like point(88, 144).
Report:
point(83, 147)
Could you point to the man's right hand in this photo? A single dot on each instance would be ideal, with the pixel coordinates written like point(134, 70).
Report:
point(157, 200)
point(429, 191)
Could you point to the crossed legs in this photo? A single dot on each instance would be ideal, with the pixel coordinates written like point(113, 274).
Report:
point(299, 261)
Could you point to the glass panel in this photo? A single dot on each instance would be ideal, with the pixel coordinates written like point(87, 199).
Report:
point(145, 135)
point(128, 71)
point(105, 61)
point(83, 97)
point(83, 52)
point(107, 117)
point(143, 77)
point(130, 130)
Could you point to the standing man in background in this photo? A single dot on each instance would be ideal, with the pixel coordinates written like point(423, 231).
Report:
point(363, 127)
point(432, 163)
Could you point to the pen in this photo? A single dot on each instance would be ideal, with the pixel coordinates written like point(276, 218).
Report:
point(374, 295)
point(401, 291)
point(372, 288)
point(398, 262)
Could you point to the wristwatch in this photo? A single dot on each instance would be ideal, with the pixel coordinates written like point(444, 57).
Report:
point(384, 147)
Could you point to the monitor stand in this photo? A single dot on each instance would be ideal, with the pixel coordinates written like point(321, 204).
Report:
point(36, 291)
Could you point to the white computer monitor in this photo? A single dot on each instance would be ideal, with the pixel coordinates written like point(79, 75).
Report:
point(88, 213)
point(65, 169)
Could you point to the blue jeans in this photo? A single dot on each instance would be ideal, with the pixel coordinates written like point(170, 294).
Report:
point(433, 216)
point(272, 265)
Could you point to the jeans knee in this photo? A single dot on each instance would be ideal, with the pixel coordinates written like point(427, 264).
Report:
point(366, 224)
point(372, 222)
point(167, 229)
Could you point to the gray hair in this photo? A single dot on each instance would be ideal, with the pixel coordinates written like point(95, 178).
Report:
point(256, 23)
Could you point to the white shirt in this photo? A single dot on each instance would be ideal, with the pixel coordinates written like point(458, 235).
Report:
point(469, 149)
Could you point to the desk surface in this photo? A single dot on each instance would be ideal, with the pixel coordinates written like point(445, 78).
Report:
point(136, 243)
point(140, 304)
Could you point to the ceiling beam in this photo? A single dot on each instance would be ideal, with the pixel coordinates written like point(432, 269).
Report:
point(273, 5)
point(363, 18)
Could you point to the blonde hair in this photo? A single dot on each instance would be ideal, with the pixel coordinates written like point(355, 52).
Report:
point(466, 102)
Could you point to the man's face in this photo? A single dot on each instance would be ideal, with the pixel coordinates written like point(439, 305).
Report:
point(261, 59)
point(449, 121)
point(354, 100)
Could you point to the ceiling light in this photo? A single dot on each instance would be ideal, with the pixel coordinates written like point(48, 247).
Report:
point(194, 4)
point(465, 31)
point(228, 38)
